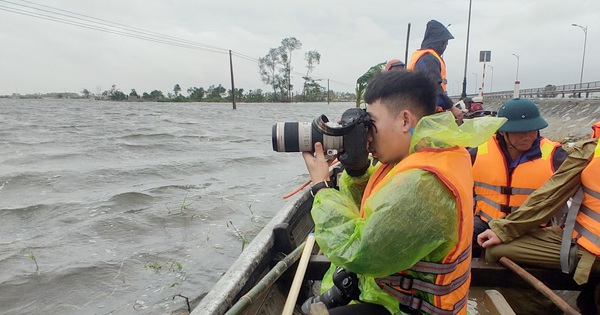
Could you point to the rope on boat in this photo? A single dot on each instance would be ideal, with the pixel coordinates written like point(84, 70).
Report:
point(295, 191)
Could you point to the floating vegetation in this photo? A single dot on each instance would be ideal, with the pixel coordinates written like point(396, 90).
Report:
point(241, 235)
point(32, 257)
point(184, 205)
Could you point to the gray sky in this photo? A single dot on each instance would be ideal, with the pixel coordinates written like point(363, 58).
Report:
point(38, 55)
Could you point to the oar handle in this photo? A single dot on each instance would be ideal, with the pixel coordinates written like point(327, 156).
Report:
point(539, 285)
point(290, 302)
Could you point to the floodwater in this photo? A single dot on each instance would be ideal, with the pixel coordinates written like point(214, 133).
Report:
point(118, 208)
point(127, 208)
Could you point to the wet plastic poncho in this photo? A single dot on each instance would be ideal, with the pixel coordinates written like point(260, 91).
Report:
point(405, 221)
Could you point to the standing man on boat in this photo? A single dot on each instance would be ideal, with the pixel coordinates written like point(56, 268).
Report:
point(573, 249)
point(512, 164)
point(404, 226)
point(429, 59)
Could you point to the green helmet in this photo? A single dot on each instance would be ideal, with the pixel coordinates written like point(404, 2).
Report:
point(522, 114)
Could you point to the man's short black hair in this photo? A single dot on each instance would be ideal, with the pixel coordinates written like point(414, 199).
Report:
point(401, 89)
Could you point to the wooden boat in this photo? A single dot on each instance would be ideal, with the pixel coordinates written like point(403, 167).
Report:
point(265, 256)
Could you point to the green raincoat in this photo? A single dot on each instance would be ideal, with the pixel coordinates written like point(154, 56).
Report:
point(412, 217)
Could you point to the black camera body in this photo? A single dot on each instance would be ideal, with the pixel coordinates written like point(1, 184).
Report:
point(344, 290)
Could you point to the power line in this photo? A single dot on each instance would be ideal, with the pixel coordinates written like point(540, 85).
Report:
point(101, 25)
point(118, 30)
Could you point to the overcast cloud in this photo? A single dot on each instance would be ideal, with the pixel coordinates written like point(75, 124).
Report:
point(40, 56)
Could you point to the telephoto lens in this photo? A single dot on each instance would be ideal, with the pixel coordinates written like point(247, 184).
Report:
point(302, 136)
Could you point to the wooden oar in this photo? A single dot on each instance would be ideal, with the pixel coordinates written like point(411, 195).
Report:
point(538, 285)
point(290, 302)
point(265, 283)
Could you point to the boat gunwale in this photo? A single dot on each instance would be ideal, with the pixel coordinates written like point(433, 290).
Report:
point(222, 295)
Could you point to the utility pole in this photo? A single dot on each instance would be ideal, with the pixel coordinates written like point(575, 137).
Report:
point(232, 84)
point(406, 49)
point(464, 86)
point(327, 91)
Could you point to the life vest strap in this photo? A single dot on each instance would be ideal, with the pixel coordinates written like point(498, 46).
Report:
point(408, 283)
point(495, 205)
point(568, 247)
point(416, 303)
point(484, 215)
point(440, 268)
point(595, 239)
point(591, 192)
point(505, 190)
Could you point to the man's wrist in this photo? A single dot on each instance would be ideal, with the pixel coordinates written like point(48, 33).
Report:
point(318, 186)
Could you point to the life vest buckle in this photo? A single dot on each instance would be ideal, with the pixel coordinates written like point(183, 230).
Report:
point(415, 303)
point(506, 209)
point(506, 190)
point(406, 283)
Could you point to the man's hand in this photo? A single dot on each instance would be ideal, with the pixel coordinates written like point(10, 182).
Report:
point(317, 166)
point(458, 114)
point(488, 238)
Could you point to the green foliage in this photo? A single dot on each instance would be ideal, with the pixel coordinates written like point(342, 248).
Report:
point(363, 80)
point(215, 93)
point(133, 93)
point(177, 89)
point(86, 93)
point(313, 91)
point(255, 96)
point(157, 95)
point(116, 94)
point(196, 94)
point(268, 68)
point(239, 95)
point(288, 45)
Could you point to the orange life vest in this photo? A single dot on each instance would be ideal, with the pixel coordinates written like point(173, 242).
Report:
point(496, 192)
point(451, 276)
point(419, 53)
point(596, 130)
point(587, 226)
point(583, 219)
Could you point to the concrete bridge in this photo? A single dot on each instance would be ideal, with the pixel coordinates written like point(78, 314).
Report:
point(579, 90)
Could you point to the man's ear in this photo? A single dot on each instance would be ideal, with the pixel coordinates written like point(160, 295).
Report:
point(407, 119)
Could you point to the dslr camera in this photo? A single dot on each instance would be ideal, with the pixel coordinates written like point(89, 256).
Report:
point(348, 138)
point(344, 290)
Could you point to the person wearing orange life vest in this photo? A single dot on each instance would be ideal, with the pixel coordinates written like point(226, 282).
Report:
point(511, 165)
point(394, 64)
point(574, 249)
point(429, 59)
point(596, 130)
point(404, 225)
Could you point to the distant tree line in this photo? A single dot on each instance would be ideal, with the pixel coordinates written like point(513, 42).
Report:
point(211, 94)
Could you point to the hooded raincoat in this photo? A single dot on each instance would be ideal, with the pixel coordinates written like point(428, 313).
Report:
point(434, 41)
point(411, 218)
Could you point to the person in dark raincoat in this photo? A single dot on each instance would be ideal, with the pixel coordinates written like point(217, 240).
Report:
point(429, 59)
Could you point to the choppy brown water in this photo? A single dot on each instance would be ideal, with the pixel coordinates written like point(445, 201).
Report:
point(116, 208)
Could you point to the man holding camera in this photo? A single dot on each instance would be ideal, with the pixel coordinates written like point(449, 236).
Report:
point(404, 226)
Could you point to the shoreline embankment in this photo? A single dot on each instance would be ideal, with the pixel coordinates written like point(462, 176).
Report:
point(568, 119)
